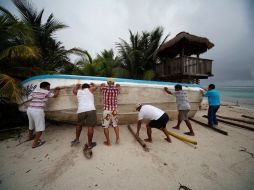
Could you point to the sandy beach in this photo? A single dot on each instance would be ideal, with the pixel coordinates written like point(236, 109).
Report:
point(216, 162)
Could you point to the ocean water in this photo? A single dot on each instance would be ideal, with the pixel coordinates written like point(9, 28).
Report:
point(241, 95)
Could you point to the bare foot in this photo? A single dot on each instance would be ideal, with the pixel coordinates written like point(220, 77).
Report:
point(117, 141)
point(169, 140)
point(189, 133)
point(148, 140)
point(106, 143)
point(176, 127)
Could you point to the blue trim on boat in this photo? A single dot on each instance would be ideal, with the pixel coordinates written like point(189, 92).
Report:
point(61, 76)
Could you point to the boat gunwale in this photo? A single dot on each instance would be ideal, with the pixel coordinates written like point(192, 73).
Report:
point(94, 78)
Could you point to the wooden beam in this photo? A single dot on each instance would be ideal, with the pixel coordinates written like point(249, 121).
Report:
point(235, 119)
point(234, 124)
point(249, 117)
point(207, 126)
point(141, 142)
point(182, 138)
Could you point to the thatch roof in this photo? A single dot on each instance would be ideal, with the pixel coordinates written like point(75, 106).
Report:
point(192, 45)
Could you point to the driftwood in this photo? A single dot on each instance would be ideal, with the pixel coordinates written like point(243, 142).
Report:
point(213, 128)
point(141, 142)
point(235, 119)
point(249, 117)
point(234, 124)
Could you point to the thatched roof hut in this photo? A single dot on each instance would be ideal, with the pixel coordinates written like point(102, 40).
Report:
point(185, 44)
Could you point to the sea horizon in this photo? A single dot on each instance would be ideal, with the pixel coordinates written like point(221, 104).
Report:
point(242, 95)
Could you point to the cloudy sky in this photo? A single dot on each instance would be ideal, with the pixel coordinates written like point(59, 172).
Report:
point(95, 25)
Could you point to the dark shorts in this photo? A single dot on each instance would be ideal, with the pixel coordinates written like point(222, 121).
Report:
point(160, 123)
point(88, 119)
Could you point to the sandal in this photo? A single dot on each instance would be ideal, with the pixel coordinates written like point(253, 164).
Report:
point(75, 142)
point(40, 143)
point(92, 145)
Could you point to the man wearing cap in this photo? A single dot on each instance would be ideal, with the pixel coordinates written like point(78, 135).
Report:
point(157, 119)
point(110, 94)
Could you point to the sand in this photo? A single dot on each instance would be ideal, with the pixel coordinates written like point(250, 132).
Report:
point(215, 163)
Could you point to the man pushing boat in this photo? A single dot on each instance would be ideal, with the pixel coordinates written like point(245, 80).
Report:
point(183, 107)
point(157, 119)
point(86, 112)
point(110, 94)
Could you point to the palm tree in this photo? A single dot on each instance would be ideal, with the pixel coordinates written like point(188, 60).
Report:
point(108, 63)
point(51, 51)
point(15, 44)
point(28, 47)
point(138, 56)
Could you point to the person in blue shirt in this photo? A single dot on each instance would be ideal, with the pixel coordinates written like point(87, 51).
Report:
point(213, 96)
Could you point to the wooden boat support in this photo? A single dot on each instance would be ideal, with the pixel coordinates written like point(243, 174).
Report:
point(235, 119)
point(182, 138)
point(207, 126)
point(234, 124)
point(249, 117)
point(141, 142)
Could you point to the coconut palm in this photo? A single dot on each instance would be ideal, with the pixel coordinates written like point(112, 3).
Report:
point(51, 50)
point(108, 63)
point(138, 56)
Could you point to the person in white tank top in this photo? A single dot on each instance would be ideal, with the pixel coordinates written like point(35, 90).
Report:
point(86, 113)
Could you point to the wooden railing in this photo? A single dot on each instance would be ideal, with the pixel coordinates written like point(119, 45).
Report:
point(185, 66)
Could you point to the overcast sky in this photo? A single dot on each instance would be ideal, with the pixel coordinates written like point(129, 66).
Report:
point(96, 25)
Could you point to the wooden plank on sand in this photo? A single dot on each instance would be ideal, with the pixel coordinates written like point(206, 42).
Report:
point(182, 138)
point(249, 117)
point(141, 142)
point(213, 128)
point(234, 124)
point(235, 119)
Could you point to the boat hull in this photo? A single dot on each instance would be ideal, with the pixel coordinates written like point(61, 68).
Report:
point(63, 108)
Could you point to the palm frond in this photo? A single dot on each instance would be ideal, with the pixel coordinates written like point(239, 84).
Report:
point(20, 51)
point(9, 88)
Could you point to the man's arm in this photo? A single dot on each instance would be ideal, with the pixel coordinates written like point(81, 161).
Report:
point(118, 87)
point(166, 90)
point(56, 92)
point(203, 92)
point(138, 127)
point(75, 89)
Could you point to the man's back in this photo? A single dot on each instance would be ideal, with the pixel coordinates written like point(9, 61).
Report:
point(150, 112)
point(213, 97)
point(85, 100)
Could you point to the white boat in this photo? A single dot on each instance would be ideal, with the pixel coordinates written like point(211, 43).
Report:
point(64, 107)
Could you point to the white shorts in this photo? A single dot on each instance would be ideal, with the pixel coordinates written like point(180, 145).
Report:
point(36, 119)
point(109, 117)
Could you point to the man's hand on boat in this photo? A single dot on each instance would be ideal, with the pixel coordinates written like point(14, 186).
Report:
point(166, 90)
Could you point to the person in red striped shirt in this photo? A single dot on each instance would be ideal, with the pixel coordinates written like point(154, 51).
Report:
point(110, 94)
point(35, 112)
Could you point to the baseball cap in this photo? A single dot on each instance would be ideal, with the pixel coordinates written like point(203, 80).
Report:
point(138, 105)
point(110, 80)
